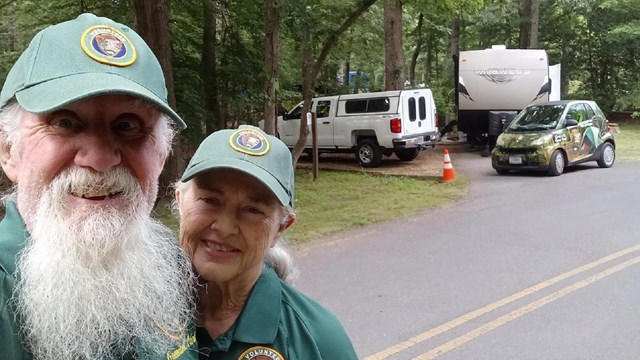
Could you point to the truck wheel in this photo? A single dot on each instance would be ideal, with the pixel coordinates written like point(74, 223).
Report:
point(607, 156)
point(369, 153)
point(556, 163)
point(407, 154)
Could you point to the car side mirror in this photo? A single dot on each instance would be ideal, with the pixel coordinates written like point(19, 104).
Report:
point(570, 122)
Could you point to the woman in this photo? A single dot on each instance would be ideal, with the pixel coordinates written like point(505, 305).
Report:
point(235, 202)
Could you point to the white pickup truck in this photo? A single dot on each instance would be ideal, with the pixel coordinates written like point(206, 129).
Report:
point(371, 125)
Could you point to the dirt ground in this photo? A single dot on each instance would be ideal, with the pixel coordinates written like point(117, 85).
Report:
point(429, 163)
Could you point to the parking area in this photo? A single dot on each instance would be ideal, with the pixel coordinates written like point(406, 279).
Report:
point(429, 163)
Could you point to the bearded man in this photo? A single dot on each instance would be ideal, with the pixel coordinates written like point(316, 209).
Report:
point(85, 272)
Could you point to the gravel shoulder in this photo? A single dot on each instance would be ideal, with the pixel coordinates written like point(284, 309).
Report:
point(429, 163)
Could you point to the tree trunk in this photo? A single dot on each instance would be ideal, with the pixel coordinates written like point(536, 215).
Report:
point(153, 26)
point(310, 73)
point(393, 52)
point(525, 24)
point(535, 20)
point(416, 51)
point(208, 65)
point(271, 56)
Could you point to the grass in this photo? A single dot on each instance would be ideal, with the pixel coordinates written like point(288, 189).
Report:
point(338, 201)
point(628, 141)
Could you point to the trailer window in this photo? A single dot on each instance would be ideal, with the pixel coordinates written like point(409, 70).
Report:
point(422, 107)
point(412, 109)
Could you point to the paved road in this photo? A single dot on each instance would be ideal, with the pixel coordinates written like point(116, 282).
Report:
point(526, 267)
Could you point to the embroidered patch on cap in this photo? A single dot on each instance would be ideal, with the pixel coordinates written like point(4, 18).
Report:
point(107, 45)
point(261, 353)
point(250, 142)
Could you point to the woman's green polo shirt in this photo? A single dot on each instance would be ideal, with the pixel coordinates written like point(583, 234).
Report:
point(278, 323)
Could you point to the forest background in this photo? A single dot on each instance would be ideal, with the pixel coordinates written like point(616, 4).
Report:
point(232, 62)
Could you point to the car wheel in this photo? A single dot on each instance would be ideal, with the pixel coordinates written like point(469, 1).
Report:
point(407, 154)
point(369, 153)
point(502, 171)
point(556, 164)
point(607, 156)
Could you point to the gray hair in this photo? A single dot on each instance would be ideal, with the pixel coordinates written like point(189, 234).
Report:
point(278, 257)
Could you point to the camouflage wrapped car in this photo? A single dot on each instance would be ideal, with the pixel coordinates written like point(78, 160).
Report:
point(554, 135)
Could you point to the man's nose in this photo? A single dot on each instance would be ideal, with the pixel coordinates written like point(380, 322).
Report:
point(98, 152)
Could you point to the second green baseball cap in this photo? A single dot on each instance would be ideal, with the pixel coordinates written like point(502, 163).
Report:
point(250, 150)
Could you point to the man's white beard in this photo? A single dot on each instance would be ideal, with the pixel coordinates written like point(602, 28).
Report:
point(100, 281)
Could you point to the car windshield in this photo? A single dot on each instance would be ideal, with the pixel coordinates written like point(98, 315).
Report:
point(537, 118)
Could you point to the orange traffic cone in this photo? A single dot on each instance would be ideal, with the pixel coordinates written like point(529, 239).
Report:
point(447, 172)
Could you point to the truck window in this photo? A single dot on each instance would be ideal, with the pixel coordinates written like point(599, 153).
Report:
point(355, 106)
point(294, 114)
point(323, 109)
point(422, 107)
point(378, 105)
point(412, 109)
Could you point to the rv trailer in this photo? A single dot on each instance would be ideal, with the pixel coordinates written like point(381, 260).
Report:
point(494, 85)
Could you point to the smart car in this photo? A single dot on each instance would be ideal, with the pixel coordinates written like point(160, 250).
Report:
point(554, 135)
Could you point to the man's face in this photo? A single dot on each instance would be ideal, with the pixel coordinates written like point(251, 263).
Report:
point(99, 134)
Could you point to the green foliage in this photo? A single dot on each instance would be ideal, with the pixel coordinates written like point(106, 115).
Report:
point(597, 41)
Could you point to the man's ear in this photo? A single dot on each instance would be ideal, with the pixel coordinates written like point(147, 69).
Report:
point(8, 161)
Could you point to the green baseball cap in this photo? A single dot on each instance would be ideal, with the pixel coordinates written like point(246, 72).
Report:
point(250, 150)
point(81, 58)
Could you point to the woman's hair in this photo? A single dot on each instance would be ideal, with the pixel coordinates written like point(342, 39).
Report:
point(278, 256)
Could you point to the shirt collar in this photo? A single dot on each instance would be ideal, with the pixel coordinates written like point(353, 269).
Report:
point(258, 322)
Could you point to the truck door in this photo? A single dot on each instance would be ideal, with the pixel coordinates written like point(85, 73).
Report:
point(324, 123)
point(417, 114)
point(289, 127)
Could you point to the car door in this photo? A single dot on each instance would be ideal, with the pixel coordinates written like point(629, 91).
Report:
point(576, 132)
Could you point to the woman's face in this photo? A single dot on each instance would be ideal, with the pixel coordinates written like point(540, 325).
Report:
point(228, 221)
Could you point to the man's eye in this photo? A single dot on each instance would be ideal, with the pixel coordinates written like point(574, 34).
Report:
point(65, 124)
point(128, 125)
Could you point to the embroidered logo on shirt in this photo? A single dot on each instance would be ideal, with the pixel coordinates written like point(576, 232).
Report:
point(261, 353)
point(249, 142)
point(175, 354)
point(109, 46)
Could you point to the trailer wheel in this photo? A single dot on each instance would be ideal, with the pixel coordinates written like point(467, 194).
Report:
point(407, 154)
point(369, 153)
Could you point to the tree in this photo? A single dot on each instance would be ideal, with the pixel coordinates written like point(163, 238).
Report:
point(271, 56)
point(209, 68)
point(394, 55)
point(311, 69)
point(153, 26)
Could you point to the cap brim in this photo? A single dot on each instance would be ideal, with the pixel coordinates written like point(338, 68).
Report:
point(54, 94)
point(246, 167)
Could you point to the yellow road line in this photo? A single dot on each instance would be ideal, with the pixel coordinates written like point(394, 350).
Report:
point(402, 346)
point(492, 325)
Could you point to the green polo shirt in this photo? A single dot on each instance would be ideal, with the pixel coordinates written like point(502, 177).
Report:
point(13, 237)
point(279, 322)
